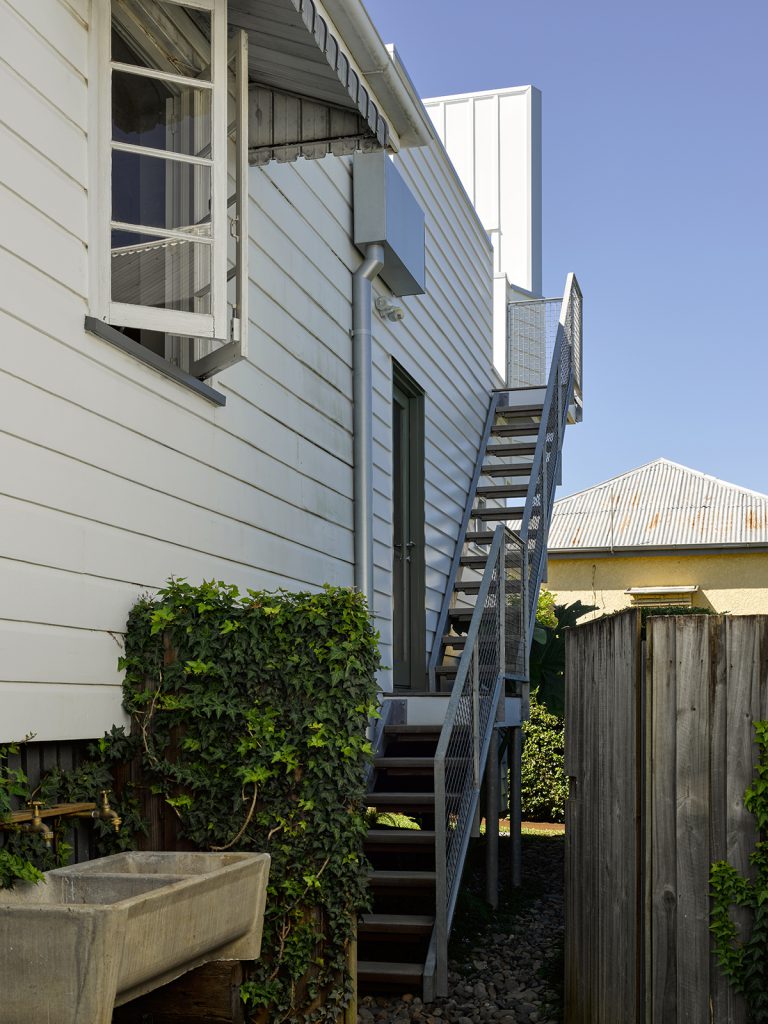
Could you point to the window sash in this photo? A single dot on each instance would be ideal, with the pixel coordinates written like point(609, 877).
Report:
point(213, 325)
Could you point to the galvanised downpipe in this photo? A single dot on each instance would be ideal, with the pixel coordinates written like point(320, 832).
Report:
point(362, 392)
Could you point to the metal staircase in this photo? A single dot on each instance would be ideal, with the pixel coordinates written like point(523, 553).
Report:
point(433, 772)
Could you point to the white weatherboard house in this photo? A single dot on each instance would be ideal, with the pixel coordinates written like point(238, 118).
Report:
point(247, 333)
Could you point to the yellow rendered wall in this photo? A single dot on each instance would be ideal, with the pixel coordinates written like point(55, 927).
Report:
point(736, 583)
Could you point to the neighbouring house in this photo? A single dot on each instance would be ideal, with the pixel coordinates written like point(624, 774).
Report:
point(248, 316)
point(662, 534)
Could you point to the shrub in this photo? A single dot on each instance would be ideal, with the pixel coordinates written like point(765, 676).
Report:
point(252, 712)
point(544, 783)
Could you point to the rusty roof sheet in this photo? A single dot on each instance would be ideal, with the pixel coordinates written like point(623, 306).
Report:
point(659, 505)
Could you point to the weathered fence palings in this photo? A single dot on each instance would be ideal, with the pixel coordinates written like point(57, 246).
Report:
point(669, 721)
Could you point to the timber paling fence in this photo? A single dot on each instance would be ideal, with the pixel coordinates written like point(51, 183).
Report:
point(659, 749)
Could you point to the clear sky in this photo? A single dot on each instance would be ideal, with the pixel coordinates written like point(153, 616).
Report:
point(655, 194)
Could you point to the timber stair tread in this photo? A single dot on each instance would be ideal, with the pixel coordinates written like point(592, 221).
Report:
point(500, 514)
point(461, 614)
point(505, 450)
point(452, 640)
point(419, 731)
point(402, 879)
point(515, 429)
point(479, 537)
point(383, 971)
point(402, 924)
point(535, 409)
point(506, 469)
point(473, 560)
point(386, 799)
point(473, 586)
point(502, 490)
point(384, 762)
point(398, 836)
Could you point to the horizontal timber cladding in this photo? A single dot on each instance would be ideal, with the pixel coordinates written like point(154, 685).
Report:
point(115, 477)
point(704, 682)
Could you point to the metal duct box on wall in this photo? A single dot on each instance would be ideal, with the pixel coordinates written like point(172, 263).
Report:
point(387, 213)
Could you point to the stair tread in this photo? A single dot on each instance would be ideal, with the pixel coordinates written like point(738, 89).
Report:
point(385, 970)
point(506, 469)
point(384, 762)
point(473, 559)
point(535, 409)
point(451, 640)
point(408, 799)
point(397, 922)
point(463, 614)
point(395, 836)
point(515, 429)
point(478, 537)
point(508, 512)
point(502, 490)
point(504, 450)
point(412, 730)
point(386, 875)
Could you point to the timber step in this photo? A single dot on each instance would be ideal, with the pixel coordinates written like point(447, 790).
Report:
point(389, 837)
point(389, 973)
point(520, 410)
point(401, 801)
point(462, 615)
point(395, 925)
point(502, 490)
point(402, 879)
point(515, 429)
point(478, 561)
point(498, 514)
point(505, 450)
point(417, 764)
point(473, 586)
point(506, 469)
point(479, 537)
point(451, 640)
point(412, 730)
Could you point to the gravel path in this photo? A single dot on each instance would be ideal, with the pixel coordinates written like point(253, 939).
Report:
point(505, 966)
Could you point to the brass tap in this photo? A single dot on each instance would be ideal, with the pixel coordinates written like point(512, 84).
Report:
point(37, 826)
point(105, 813)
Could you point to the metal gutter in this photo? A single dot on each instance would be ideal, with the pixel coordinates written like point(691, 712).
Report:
point(570, 554)
point(362, 389)
point(383, 68)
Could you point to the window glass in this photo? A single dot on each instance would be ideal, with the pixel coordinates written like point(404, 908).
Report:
point(173, 39)
point(161, 115)
point(161, 272)
point(159, 193)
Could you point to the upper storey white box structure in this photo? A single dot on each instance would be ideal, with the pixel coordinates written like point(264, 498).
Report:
point(494, 141)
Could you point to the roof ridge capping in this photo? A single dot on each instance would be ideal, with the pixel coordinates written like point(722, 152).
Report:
point(665, 462)
point(383, 69)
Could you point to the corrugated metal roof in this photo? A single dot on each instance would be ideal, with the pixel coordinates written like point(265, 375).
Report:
point(659, 505)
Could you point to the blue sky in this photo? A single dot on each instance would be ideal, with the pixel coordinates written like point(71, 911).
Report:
point(655, 194)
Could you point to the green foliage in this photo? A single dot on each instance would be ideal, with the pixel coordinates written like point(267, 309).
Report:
point(25, 856)
point(252, 713)
point(547, 663)
point(744, 959)
point(544, 783)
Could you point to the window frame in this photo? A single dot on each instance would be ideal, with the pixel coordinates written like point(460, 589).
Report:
point(217, 325)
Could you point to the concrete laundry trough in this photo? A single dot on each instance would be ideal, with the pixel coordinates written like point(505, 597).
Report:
point(99, 934)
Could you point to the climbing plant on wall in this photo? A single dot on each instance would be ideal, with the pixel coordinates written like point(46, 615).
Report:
point(743, 958)
point(251, 711)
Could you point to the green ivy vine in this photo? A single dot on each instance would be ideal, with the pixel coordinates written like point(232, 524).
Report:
point(24, 856)
point(251, 713)
point(744, 961)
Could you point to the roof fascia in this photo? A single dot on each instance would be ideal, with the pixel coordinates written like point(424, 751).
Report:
point(564, 554)
point(382, 69)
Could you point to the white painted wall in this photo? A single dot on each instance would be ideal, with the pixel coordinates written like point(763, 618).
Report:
point(115, 477)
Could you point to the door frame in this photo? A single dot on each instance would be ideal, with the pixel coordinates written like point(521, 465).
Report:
point(417, 626)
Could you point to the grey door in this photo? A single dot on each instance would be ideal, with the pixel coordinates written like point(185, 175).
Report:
point(409, 660)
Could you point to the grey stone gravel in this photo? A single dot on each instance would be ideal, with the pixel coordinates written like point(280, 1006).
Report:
point(506, 978)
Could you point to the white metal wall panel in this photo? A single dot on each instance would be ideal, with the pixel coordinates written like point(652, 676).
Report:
point(494, 140)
